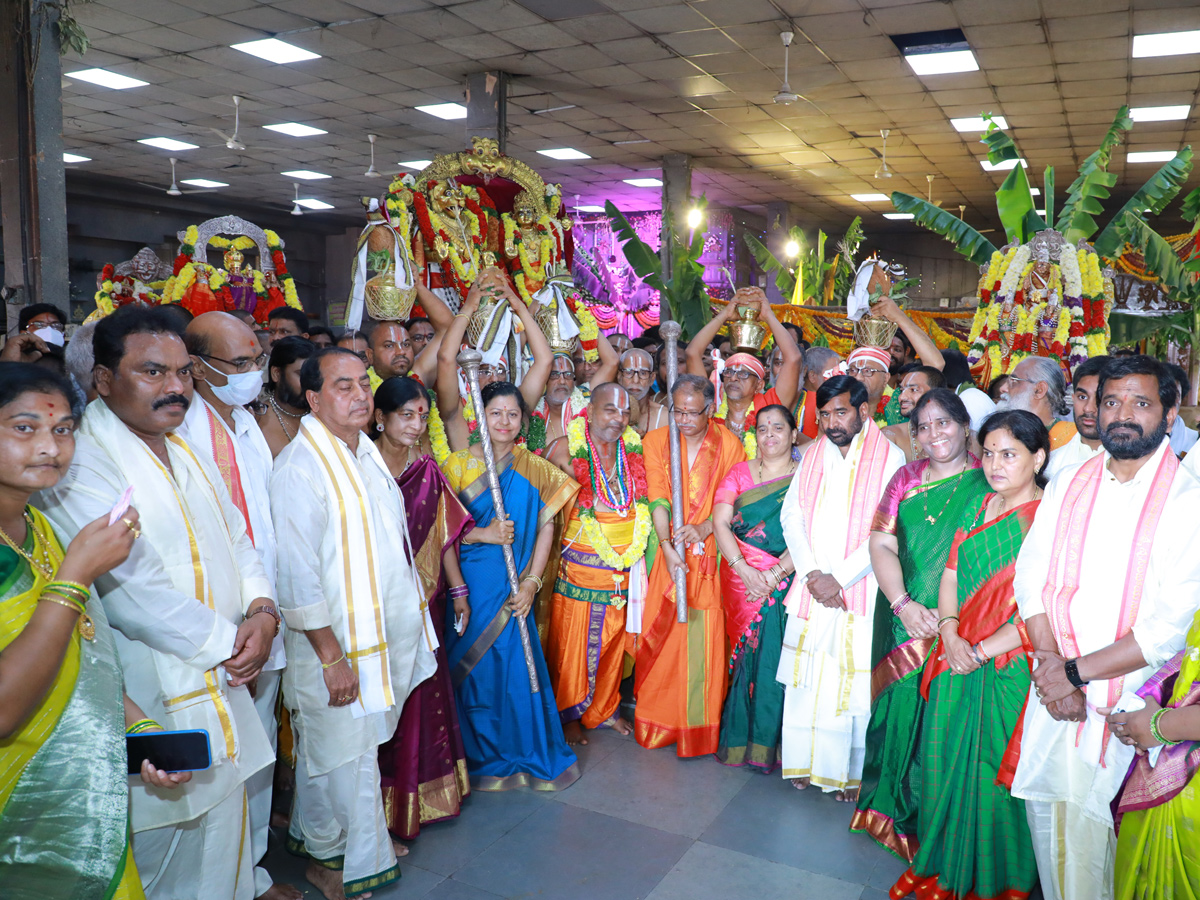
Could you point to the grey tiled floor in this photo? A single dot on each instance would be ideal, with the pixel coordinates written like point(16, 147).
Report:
point(640, 824)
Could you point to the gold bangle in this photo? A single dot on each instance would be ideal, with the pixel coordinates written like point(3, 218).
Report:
point(62, 601)
point(334, 663)
point(532, 577)
point(462, 315)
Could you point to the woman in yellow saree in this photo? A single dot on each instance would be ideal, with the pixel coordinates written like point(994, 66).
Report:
point(64, 794)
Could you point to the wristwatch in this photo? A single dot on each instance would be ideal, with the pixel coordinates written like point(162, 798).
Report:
point(269, 610)
point(1071, 670)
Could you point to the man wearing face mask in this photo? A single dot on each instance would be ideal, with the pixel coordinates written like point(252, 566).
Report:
point(227, 374)
point(45, 320)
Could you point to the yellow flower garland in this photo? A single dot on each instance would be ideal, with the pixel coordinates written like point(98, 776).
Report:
point(576, 443)
point(191, 236)
point(588, 330)
point(437, 436)
point(242, 242)
point(749, 437)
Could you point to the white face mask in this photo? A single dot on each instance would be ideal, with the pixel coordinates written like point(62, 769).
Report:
point(239, 388)
point(50, 336)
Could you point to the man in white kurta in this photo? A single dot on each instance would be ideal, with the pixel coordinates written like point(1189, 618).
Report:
point(1124, 529)
point(227, 374)
point(359, 637)
point(1085, 443)
point(826, 660)
point(178, 604)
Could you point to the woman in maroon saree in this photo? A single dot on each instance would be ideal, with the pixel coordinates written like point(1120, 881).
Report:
point(424, 766)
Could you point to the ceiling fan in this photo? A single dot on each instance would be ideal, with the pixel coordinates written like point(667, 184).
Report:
point(296, 209)
point(883, 171)
point(231, 140)
point(929, 193)
point(962, 209)
point(173, 190)
point(785, 96)
point(372, 172)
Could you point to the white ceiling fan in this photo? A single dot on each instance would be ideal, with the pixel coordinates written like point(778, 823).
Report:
point(296, 208)
point(785, 96)
point(231, 140)
point(372, 172)
point(173, 190)
point(883, 171)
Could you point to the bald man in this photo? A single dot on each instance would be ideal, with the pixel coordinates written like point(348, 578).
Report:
point(636, 375)
point(227, 363)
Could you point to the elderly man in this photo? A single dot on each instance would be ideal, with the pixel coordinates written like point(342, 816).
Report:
point(191, 605)
point(820, 364)
point(226, 373)
point(1107, 584)
point(636, 375)
point(359, 637)
point(914, 385)
point(826, 661)
point(600, 570)
point(1037, 385)
point(681, 667)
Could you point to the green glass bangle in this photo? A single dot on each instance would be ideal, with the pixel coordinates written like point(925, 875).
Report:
point(142, 725)
point(1154, 730)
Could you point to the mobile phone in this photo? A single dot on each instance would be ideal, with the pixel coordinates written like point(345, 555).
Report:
point(171, 751)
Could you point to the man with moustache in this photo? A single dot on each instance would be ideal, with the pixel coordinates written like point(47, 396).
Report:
point(285, 406)
point(914, 385)
point(826, 661)
point(359, 637)
point(191, 605)
point(636, 375)
point(393, 353)
point(1085, 443)
point(585, 647)
point(1107, 585)
point(420, 332)
point(1038, 385)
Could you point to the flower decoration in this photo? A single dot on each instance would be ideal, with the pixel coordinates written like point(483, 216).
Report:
point(632, 491)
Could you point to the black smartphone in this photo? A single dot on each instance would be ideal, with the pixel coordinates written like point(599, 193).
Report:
point(171, 751)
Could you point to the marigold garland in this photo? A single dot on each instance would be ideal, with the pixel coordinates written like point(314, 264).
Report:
point(578, 439)
point(749, 437)
point(437, 436)
point(242, 242)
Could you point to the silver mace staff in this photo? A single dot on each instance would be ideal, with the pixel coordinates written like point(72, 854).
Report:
point(470, 360)
point(669, 331)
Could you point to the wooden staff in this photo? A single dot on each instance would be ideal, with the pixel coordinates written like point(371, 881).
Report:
point(469, 360)
point(669, 331)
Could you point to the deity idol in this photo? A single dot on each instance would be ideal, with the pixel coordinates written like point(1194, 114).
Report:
point(453, 238)
point(240, 284)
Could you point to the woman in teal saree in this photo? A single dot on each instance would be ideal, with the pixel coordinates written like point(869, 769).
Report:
point(746, 523)
point(924, 505)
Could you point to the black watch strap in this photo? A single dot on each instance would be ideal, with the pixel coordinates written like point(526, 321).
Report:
point(1071, 669)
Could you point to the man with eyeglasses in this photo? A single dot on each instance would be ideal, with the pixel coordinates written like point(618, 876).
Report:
point(681, 668)
point(226, 375)
point(1037, 384)
point(45, 320)
point(636, 375)
point(869, 365)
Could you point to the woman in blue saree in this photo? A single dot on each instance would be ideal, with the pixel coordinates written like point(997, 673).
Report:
point(513, 737)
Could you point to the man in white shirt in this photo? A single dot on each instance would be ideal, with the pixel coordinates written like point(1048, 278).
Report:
point(191, 606)
point(1038, 385)
point(1085, 443)
point(227, 374)
point(1183, 439)
point(1107, 583)
point(826, 520)
point(359, 637)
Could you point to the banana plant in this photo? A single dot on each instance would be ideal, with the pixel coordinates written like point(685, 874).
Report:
point(683, 292)
point(811, 278)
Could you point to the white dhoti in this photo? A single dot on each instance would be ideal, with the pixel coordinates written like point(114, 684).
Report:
point(198, 860)
point(259, 785)
point(1074, 852)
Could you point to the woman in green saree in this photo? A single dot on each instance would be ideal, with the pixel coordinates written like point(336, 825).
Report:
point(756, 572)
point(974, 838)
point(925, 503)
point(64, 793)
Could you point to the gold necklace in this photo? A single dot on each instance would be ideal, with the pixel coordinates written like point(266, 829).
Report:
point(47, 567)
point(791, 470)
point(932, 520)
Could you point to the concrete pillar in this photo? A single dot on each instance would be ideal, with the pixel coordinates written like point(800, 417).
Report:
point(33, 196)
point(779, 221)
point(487, 107)
point(676, 200)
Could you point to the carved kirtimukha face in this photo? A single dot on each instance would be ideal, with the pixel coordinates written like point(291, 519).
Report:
point(448, 197)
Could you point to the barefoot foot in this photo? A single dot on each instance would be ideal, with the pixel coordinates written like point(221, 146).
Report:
point(800, 783)
point(401, 849)
point(849, 795)
point(622, 726)
point(573, 732)
point(279, 891)
point(327, 881)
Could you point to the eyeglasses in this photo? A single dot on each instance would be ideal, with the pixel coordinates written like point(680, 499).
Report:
point(737, 375)
point(561, 376)
point(498, 371)
point(690, 413)
point(57, 326)
point(864, 371)
point(1012, 378)
point(636, 373)
point(242, 366)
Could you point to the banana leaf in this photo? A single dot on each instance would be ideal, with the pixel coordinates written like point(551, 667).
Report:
point(1154, 196)
point(1190, 209)
point(644, 261)
point(1092, 185)
point(784, 279)
point(966, 240)
point(1014, 202)
point(1048, 189)
point(1129, 329)
point(1161, 259)
point(1000, 146)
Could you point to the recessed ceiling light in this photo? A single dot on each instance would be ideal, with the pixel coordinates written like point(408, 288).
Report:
point(1037, 192)
point(942, 63)
point(276, 51)
point(1150, 156)
point(1159, 113)
point(591, 209)
point(306, 175)
point(644, 182)
point(936, 52)
point(897, 215)
point(1171, 43)
point(978, 123)
point(565, 153)
point(1002, 166)
point(445, 110)
point(107, 79)
point(310, 203)
point(295, 129)
point(870, 198)
point(417, 164)
point(163, 143)
point(203, 183)
point(75, 158)
point(1041, 212)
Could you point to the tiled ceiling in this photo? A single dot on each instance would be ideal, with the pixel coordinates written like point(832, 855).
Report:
point(628, 82)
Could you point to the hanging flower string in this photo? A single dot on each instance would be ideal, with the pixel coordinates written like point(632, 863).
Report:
point(632, 470)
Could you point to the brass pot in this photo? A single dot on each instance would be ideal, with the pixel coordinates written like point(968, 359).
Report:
point(747, 333)
point(547, 319)
point(874, 331)
point(385, 300)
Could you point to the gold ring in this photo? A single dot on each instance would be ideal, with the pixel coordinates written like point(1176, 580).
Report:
point(129, 524)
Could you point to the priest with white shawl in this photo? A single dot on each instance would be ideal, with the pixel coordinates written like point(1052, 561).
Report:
point(191, 607)
point(359, 636)
point(1107, 583)
point(826, 660)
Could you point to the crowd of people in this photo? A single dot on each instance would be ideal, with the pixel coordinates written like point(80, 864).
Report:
point(972, 618)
